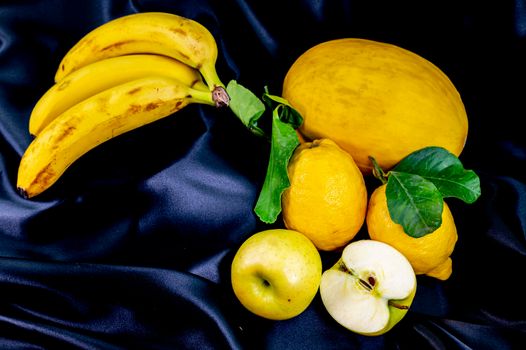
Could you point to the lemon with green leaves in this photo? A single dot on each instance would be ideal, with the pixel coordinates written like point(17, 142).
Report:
point(408, 210)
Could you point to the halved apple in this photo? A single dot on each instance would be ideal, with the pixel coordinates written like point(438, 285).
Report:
point(370, 288)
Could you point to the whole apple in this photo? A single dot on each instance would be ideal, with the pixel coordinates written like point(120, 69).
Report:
point(370, 288)
point(276, 273)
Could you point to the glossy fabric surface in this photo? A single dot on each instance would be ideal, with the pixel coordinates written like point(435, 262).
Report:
point(131, 249)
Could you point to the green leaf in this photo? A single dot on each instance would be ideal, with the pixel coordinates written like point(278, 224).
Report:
point(273, 100)
point(444, 170)
point(288, 114)
point(246, 106)
point(284, 141)
point(414, 202)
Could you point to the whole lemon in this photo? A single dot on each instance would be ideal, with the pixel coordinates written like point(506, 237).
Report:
point(327, 197)
point(375, 99)
point(429, 254)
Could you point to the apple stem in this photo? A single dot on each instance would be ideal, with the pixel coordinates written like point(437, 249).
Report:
point(398, 306)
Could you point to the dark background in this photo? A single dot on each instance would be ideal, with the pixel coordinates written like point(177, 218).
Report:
point(131, 249)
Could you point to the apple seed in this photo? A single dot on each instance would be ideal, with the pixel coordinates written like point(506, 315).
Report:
point(369, 284)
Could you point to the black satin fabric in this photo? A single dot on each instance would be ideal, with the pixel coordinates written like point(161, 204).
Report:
point(131, 249)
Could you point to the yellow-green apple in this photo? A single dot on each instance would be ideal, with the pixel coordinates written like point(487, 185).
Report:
point(276, 273)
point(370, 288)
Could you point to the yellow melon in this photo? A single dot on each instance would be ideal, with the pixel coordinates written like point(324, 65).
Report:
point(375, 99)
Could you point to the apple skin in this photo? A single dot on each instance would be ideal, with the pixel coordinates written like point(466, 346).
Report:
point(397, 308)
point(276, 273)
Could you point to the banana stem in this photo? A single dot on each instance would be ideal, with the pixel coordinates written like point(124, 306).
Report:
point(220, 97)
point(219, 94)
point(203, 97)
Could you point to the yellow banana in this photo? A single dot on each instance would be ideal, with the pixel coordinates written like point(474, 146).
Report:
point(97, 119)
point(101, 75)
point(150, 32)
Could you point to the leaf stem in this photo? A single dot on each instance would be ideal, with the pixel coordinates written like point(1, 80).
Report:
point(378, 171)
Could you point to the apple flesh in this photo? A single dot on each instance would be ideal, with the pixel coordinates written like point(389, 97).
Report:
point(276, 273)
point(370, 288)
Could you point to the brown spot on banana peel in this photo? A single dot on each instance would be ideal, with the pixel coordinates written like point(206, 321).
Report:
point(45, 175)
point(151, 106)
point(178, 31)
point(182, 55)
point(134, 109)
point(177, 106)
point(41, 180)
point(116, 45)
point(134, 91)
point(67, 131)
point(86, 41)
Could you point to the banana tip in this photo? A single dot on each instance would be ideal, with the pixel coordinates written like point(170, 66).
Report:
point(22, 192)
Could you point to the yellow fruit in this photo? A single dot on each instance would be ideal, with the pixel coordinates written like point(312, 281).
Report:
point(375, 99)
point(429, 254)
point(276, 273)
point(327, 197)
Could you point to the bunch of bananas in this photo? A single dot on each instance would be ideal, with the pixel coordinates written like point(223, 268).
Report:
point(126, 73)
